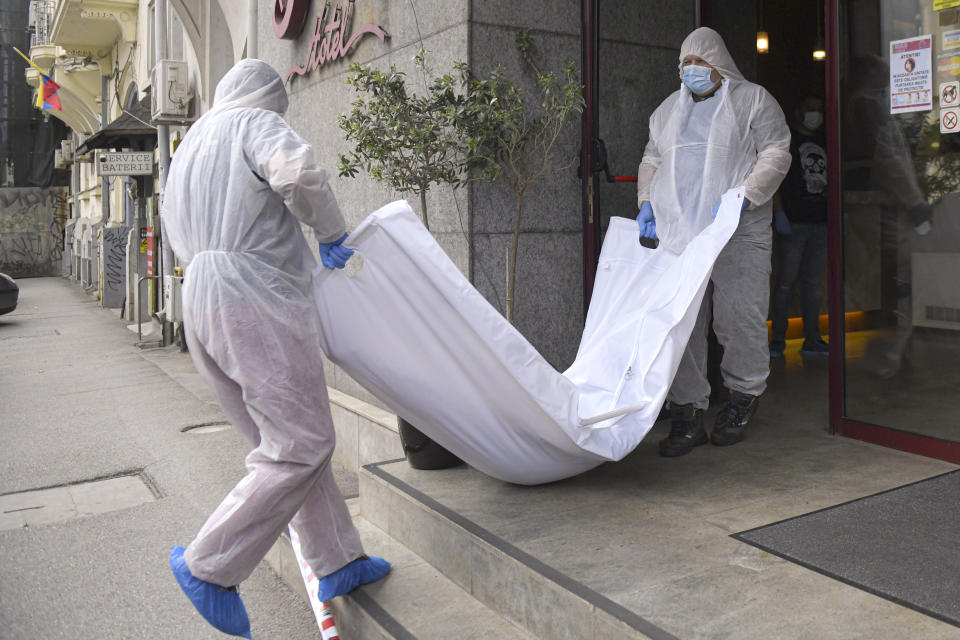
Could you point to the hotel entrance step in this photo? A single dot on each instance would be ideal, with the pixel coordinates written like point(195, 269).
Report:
point(414, 602)
point(522, 589)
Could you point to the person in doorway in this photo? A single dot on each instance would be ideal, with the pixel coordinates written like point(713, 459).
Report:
point(238, 188)
point(716, 132)
point(800, 220)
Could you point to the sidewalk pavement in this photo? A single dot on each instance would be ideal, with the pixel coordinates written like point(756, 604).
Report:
point(80, 402)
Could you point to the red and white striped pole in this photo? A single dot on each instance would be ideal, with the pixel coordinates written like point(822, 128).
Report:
point(328, 628)
point(321, 610)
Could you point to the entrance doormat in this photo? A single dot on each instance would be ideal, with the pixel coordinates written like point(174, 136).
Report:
point(902, 544)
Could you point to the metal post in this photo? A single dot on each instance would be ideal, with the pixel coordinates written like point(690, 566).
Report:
point(76, 262)
point(75, 180)
point(163, 145)
point(104, 121)
point(94, 265)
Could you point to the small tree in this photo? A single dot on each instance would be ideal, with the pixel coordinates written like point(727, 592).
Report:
point(462, 129)
point(526, 137)
point(411, 142)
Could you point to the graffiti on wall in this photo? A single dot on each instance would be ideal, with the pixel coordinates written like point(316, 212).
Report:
point(114, 276)
point(31, 231)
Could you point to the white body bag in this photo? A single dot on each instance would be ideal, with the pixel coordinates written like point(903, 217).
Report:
point(409, 327)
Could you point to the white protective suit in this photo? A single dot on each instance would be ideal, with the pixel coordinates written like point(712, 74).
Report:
point(239, 186)
point(695, 153)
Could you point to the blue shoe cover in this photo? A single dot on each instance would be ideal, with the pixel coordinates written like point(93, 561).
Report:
point(344, 580)
point(220, 607)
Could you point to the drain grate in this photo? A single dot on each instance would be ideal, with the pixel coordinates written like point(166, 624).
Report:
point(205, 427)
point(72, 501)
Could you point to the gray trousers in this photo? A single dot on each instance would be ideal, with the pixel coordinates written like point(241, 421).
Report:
point(736, 300)
point(291, 483)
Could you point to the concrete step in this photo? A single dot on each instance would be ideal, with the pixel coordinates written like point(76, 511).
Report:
point(414, 602)
point(365, 433)
point(538, 598)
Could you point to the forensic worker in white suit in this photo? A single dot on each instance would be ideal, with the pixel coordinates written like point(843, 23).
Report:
point(716, 132)
point(240, 184)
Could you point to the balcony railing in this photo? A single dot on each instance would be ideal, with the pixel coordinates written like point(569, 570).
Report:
point(41, 19)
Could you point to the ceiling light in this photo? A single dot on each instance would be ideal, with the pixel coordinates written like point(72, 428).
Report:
point(819, 51)
point(763, 42)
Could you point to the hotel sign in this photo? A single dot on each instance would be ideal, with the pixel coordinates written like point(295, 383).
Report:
point(288, 17)
point(330, 40)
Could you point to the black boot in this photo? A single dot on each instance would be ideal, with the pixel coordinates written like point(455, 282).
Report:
point(686, 431)
point(731, 425)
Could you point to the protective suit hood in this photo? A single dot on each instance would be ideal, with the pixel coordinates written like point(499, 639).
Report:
point(707, 44)
point(251, 83)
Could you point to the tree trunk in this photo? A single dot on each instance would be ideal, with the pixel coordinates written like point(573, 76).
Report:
point(512, 261)
point(423, 207)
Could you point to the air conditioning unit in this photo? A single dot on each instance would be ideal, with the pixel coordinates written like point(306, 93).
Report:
point(66, 149)
point(171, 92)
point(936, 299)
point(57, 158)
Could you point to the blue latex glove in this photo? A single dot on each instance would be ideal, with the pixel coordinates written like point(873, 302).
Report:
point(219, 606)
point(781, 223)
point(333, 255)
point(646, 222)
point(345, 579)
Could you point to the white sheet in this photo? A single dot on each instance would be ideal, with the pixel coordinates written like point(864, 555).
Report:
point(409, 327)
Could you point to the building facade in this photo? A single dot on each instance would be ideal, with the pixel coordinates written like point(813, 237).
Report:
point(890, 298)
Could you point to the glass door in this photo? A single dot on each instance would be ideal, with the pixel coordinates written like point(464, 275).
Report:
point(895, 253)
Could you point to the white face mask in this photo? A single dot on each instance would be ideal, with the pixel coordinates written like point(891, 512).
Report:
point(812, 120)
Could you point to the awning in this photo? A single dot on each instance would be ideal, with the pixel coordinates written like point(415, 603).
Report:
point(132, 130)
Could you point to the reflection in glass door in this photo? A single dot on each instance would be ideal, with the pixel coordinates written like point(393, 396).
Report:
point(899, 64)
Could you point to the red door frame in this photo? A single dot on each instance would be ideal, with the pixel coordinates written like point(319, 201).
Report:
point(839, 423)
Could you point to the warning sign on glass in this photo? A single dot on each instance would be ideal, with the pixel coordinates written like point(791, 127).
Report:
point(949, 94)
point(911, 76)
point(950, 121)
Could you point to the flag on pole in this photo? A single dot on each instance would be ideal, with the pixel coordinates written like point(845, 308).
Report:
point(47, 97)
